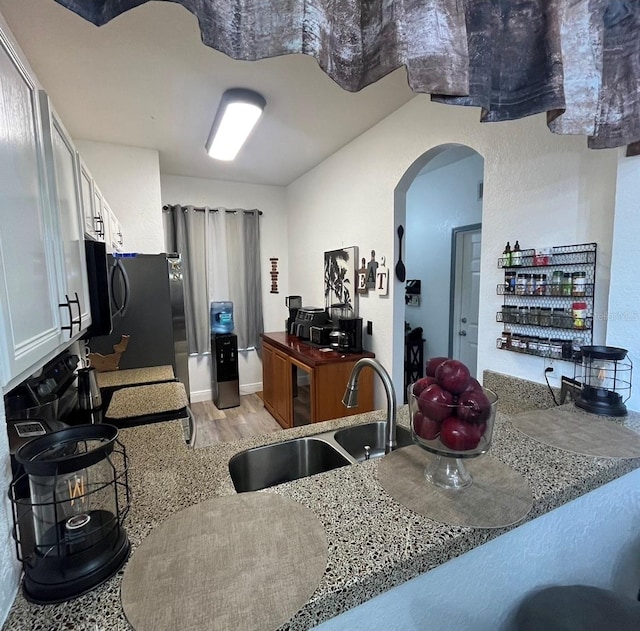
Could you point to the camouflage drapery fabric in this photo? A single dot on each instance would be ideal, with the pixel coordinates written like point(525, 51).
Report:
point(577, 60)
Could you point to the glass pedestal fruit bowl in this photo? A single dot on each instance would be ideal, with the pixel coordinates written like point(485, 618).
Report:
point(453, 428)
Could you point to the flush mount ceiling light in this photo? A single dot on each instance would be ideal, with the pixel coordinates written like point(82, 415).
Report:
point(237, 114)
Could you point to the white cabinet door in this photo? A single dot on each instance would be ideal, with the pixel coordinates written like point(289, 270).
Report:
point(29, 316)
point(105, 215)
point(91, 211)
point(115, 232)
point(64, 191)
point(118, 239)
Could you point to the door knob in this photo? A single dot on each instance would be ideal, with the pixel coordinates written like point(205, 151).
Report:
point(463, 332)
point(463, 320)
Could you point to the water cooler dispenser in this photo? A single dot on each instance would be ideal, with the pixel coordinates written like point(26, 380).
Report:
point(225, 385)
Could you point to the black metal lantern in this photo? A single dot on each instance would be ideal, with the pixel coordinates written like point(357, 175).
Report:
point(604, 373)
point(69, 505)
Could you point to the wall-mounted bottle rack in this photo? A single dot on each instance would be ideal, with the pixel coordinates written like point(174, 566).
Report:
point(548, 300)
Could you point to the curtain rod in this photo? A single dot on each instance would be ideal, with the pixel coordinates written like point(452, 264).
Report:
point(215, 210)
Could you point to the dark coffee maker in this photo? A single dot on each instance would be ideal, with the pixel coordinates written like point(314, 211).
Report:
point(293, 304)
point(352, 330)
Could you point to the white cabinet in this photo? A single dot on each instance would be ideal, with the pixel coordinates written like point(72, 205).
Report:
point(63, 179)
point(116, 241)
point(29, 313)
point(91, 204)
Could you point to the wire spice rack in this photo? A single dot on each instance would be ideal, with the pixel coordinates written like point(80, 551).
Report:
point(548, 300)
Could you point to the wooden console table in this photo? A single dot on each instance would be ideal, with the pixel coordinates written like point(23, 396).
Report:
point(303, 384)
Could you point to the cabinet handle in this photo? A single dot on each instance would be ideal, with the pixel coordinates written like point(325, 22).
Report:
point(79, 321)
point(99, 222)
point(67, 305)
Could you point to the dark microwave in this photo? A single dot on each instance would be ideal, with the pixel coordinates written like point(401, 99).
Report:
point(99, 294)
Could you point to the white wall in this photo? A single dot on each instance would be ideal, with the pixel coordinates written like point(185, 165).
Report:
point(273, 244)
point(437, 202)
point(623, 314)
point(538, 187)
point(129, 178)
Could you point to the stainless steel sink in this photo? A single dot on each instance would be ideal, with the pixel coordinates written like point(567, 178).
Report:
point(355, 439)
point(266, 466)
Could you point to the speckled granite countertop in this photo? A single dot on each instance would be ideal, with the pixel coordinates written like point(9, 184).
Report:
point(374, 543)
point(134, 376)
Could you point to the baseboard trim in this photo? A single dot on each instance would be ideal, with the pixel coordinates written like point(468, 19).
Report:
point(250, 388)
point(198, 396)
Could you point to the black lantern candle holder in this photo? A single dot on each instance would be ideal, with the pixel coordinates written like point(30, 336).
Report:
point(604, 373)
point(69, 502)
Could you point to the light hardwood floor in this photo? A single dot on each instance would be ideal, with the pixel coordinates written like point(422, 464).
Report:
point(218, 426)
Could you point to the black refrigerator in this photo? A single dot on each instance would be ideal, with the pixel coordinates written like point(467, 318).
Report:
point(147, 304)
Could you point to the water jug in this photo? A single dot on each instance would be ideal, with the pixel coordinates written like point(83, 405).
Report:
point(221, 317)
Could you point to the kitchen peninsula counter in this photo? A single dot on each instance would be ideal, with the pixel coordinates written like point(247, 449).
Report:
point(374, 543)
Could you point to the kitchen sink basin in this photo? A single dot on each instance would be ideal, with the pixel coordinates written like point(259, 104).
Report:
point(262, 467)
point(354, 439)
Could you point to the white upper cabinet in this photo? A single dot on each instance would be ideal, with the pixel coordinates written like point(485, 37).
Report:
point(115, 230)
point(63, 178)
point(91, 204)
point(29, 314)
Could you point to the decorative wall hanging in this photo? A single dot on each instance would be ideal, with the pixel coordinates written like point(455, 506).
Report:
point(382, 278)
point(363, 290)
point(401, 272)
point(372, 268)
point(274, 276)
point(578, 59)
point(340, 279)
point(412, 292)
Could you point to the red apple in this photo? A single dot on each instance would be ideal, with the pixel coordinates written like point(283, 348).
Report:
point(421, 384)
point(474, 384)
point(459, 435)
point(453, 376)
point(425, 427)
point(473, 406)
point(432, 365)
point(435, 402)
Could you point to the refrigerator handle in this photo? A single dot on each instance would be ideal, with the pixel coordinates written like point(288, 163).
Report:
point(124, 278)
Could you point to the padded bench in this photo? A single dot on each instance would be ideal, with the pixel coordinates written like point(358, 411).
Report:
point(130, 406)
point(113, 380)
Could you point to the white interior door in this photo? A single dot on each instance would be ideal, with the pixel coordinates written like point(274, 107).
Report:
point(466, 299)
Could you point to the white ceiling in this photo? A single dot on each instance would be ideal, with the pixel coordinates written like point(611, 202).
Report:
point(146, 80)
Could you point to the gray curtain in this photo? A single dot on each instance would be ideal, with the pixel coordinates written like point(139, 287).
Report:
point(245, 283)
point(185, 233)
point(220, 250)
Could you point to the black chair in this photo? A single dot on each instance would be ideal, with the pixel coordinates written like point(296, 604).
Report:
point(577, 608)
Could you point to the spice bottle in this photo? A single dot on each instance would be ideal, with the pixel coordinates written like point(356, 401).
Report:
point(516, 255)
point(506, 256)
point(567, 286)
point(556, 283)
point(509, 282)
point(541, 284)
point(578, 280)
point(579, 311)
point(530, 286)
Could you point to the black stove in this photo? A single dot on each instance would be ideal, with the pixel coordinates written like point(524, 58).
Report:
point(43, 403)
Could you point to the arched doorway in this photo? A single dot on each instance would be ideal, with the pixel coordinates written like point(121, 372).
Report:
point(439, 202)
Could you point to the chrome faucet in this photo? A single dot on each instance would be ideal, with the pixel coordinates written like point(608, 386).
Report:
point(350, 399)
